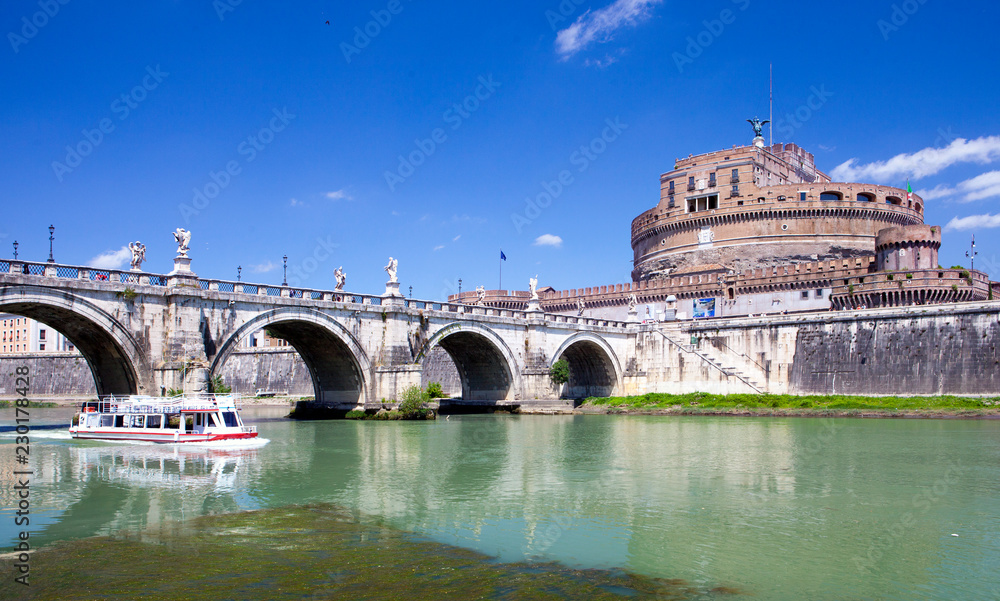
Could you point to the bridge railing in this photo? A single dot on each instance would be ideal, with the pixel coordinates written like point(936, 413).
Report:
point(139, 278)
point(75, 272)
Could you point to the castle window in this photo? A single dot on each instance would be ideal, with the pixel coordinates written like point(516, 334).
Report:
point(671, 186)
point(711, 179)
point(819, 293)
point(893, 200)
point(670, 201)
point(805, 295)
point(831, 196)
point(735, 177)
point(802, 195)
point(864, 197)
point(691, 183)
point(736, 190)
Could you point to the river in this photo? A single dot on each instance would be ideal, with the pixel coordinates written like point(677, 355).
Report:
point(763, 508)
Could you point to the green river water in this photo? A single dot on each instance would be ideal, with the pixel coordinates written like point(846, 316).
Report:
point(505, 507)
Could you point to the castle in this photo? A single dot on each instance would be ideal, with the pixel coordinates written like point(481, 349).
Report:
point(759, 229)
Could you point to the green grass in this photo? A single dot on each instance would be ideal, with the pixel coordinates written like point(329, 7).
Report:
point(704, 401)
point(43, 404)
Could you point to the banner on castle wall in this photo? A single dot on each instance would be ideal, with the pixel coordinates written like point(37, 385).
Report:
point(704, 307)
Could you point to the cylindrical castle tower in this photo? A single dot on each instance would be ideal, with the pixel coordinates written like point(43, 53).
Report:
point(751, 207)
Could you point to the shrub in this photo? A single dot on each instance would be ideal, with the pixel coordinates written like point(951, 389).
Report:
point(355, 414)
point(435, 391)
point(413, 402)
point(909, 276)
point(175, 391)
point(217, 386)
point(560, 372)
point(890, 277)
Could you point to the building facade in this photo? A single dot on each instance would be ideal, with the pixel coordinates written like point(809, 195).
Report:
point(20, 335)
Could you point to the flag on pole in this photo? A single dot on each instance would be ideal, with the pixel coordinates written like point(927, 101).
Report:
point(503, 257)
point(909, 192)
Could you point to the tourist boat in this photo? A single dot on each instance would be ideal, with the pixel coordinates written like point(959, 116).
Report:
point(187, 418)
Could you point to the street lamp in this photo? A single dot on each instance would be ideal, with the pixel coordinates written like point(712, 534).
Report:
point(15, 250)
point(284, 278)
point(239, 272)
point(460, 286)
point(52, 231)
point(971, 254)
point(411, 291)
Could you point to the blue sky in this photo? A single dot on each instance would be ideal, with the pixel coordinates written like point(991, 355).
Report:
point(423, 138)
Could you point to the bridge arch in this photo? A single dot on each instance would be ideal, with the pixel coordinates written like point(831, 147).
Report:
point(117, 360)
point(486, 366)
point(339, 368)
point(593, 366)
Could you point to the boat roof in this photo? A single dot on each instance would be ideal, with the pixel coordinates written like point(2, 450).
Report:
point(137, 403)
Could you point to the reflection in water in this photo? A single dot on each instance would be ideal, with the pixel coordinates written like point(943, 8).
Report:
point(782, 508)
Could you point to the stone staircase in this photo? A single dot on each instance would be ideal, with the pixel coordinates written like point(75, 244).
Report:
point(716, 360)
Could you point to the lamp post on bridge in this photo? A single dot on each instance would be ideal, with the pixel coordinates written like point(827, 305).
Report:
point(460, 286)
point(239, 272)
point(15, 250)
point(284, 277)
point(52, 231)
point(411, 291)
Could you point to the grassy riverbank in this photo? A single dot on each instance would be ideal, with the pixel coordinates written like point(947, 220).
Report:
point(786, 404)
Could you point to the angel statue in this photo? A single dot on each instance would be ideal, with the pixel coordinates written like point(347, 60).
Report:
point(138, 254)
point(391, 270)
point(340, 276)
point(533, 287)
point(632, 302)
point(183, 238)
point(758, 126)
point(480, 295)
point(580, 306)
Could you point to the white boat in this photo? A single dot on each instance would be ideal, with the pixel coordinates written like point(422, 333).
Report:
point(187, 418)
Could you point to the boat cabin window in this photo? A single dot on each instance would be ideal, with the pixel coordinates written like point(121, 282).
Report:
point(230, 418)
point(136, 421)
point(119, 421)
point(107, 421)
point(153, 421)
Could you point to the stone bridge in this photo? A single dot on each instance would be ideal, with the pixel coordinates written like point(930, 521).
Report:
point(147, 333)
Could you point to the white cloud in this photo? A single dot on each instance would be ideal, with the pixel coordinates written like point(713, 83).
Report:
point(339, 195)
point(455, 239)
point(112, 259)
point(939, 191)
point(548, 240)
point(599, 25)
point(395, 213)
point(984, 185)
point(263, 267)
point(973, 222)
point(921, 163)
point(296, 203)
point(439, 247)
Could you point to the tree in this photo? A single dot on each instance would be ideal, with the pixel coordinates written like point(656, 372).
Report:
point(560, 372)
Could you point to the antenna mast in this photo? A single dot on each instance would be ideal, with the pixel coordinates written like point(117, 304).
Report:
point(770, 126)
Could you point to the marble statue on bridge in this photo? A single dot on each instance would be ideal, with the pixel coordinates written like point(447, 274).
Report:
point(533, 287)
point(183, 238)
point(580, 306)
point(632, 302)
point(138, 254)
point(391, 270)
point(480, 295)
point(340, 276)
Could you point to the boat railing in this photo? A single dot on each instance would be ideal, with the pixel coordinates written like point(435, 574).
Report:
point(147, 404)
